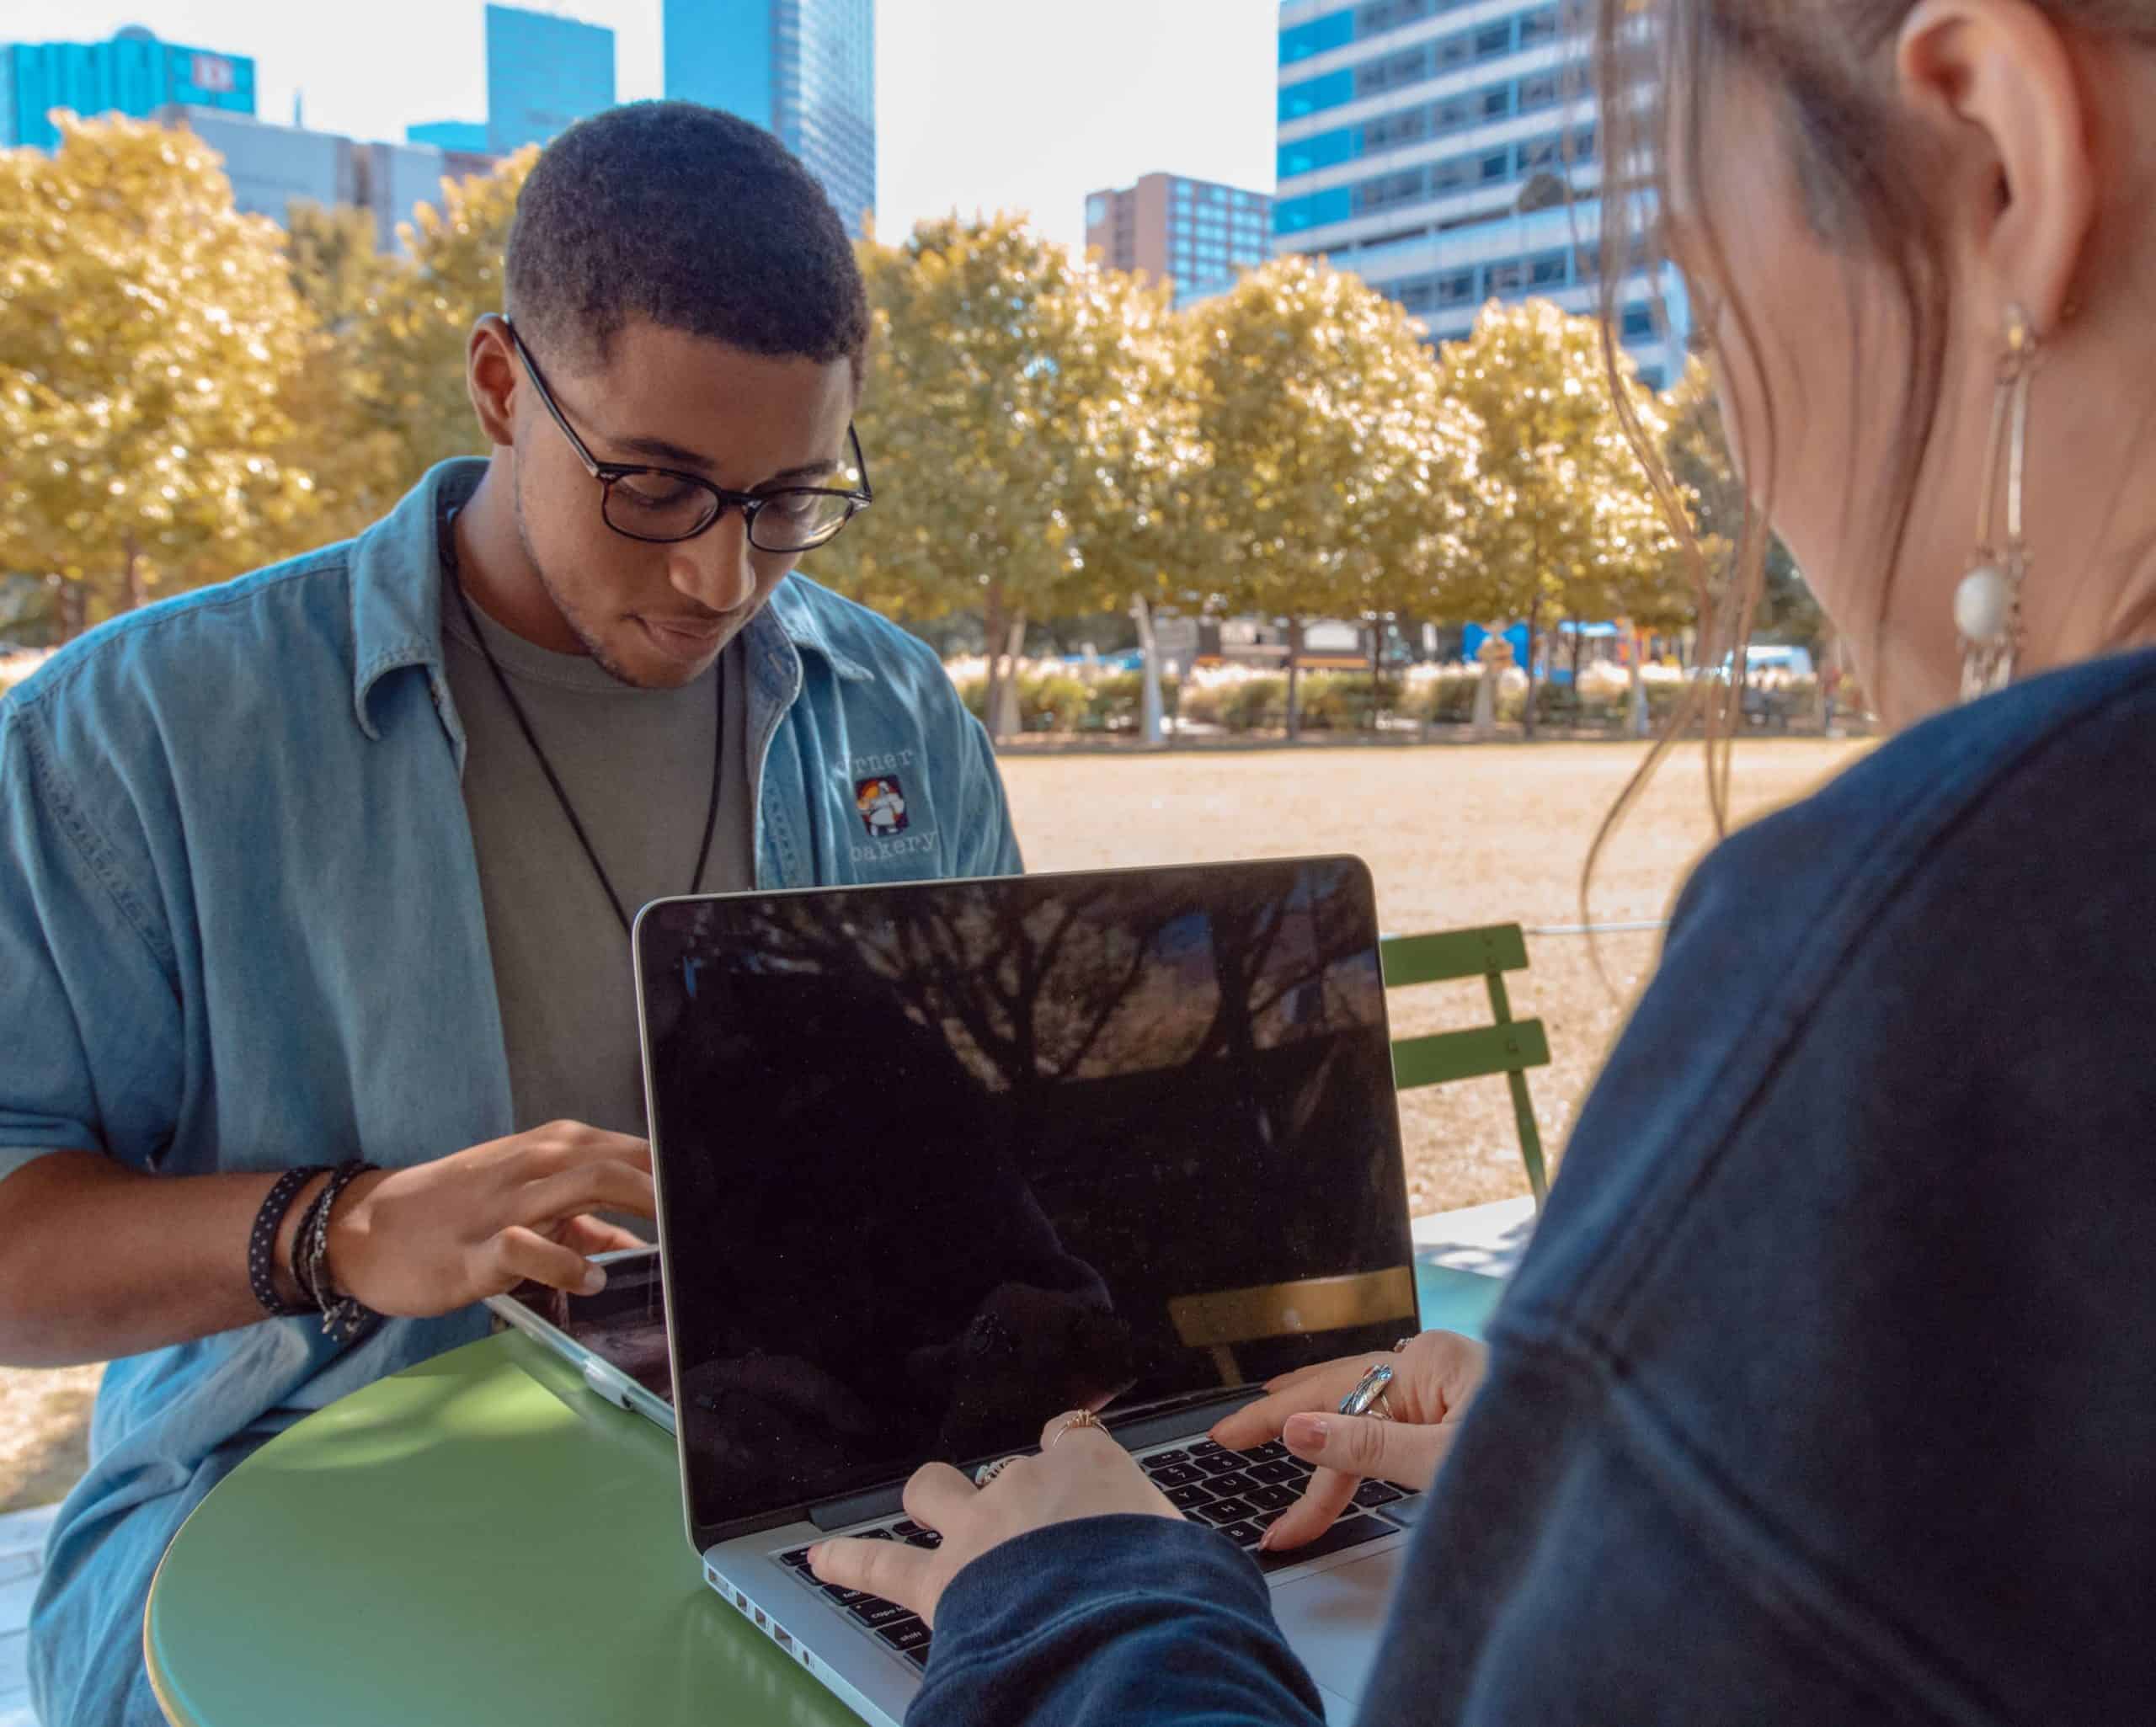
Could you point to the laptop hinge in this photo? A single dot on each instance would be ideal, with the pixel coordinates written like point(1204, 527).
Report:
point(858, 1508)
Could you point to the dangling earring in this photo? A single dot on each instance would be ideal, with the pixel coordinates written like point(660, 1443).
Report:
point(1987, 605)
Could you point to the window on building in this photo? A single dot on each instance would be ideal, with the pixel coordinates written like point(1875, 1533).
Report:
point(1654, 378)
point(1451, 176)
point(1583, 144)
point(1638, 323)
point(1456, 288)
point(1494, 103)
point(1497, 165)
point(1493, 40)
point(1408, 67)
point(1543, 90)
point(1540, 27)
point(1547, 270)
point(1416, 296)
point(1539, 155)
point(1391, 131)
point(1450, 115)
point(1390, 190)
point(1507, 278)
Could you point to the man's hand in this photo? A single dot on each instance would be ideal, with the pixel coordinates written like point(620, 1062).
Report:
point(1080, 1473)
point(1434, 1378)
point(429, 1239)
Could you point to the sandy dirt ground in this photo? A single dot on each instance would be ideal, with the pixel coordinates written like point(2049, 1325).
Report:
point(1456, 836)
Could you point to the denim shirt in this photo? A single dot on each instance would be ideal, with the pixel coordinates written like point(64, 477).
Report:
point(241, 930)
point(1825, 1391)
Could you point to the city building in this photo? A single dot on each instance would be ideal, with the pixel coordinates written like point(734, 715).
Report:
point(806, 69)
point(134, 74)
point(469, 135)
point(1195, 233)
point(1429, 145)
point(544, 73)
point(272, 166)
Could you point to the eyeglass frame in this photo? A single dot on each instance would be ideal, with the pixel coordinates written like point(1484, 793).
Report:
point(749, 503)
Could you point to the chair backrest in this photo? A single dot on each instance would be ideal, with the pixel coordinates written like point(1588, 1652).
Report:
point(1509, 1047)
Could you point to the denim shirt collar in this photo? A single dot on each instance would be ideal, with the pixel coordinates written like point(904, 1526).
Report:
point(396, 599)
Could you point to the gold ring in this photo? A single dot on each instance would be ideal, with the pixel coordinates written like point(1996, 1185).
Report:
point(988, 1472)
point(1080, 1418)
point(1380, 1409)
point(1402, 1345)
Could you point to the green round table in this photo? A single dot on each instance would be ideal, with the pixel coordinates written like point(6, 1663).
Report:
point(478, 1540)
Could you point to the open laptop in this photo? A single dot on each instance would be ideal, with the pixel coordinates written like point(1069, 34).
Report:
point(936, 1161)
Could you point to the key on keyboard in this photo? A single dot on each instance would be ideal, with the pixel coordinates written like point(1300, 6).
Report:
point(1348, 1532)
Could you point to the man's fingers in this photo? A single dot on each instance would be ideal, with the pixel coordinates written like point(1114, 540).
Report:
point(888, 1569)
point(594, 1235)
point(610, 1185)
point(1404, 1453)
point(518, 1253)
point(565, 1145)
point(935, 1494)
point(1329, 1494)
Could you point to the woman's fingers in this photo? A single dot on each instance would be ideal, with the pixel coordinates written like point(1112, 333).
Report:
point(935, 1494)
point(1319, 1387)
point(888, 1569)
point(1328, 1495)
point(1406, 1454)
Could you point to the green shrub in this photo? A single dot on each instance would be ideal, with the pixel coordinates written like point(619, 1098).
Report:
point(1048, 702)
point(1200, 704)
point(1344, 701)
point(1448, 699)
point(1255, 704)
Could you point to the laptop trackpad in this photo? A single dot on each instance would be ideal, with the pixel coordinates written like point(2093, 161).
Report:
point(1333, 1620)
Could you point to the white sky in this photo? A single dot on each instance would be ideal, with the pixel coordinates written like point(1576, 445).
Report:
point(981, 104)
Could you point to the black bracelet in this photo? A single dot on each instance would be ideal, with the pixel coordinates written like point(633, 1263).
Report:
point(305, 1272)
point(262, 1244)
point(342, 1316)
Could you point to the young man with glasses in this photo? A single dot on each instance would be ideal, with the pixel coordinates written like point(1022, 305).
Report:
point(332, 866)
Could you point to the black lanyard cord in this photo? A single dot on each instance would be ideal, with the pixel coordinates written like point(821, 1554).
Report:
point(451, 575)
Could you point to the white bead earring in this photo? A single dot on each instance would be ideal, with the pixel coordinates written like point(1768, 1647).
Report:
point(1988, 604)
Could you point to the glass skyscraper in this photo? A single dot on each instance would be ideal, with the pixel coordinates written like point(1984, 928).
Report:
point(133, 74)
point(544, 73)
point(806, 69)
point(1426, 145)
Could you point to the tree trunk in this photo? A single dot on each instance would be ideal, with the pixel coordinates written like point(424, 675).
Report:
point(74, 609)
point(1009, 721)
point(1534, 637)
point(1377, 671)
point(1294, 679)
point(992, 643)
point(137, 595)
point(1142, 614)
point(1640, 721)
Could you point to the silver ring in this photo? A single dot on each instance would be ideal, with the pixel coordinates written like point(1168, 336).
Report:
point(1080, 1418)
point(1367, 1390)
point(1380, 1409)
point(988, 1472)
point(1402, 1345)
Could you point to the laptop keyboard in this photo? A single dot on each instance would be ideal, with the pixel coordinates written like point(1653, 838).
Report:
point(1240, 1493)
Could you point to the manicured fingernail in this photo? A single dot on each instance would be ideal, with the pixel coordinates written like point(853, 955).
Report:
point(595, 1279)
point(1309, 1431)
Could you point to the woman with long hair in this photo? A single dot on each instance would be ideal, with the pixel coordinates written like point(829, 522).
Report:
point(1827, 1390)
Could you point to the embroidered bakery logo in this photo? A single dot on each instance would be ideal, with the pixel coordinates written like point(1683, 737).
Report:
point(881, 802)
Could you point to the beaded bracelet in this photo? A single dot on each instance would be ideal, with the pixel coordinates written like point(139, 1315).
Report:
point(343, 1318)
point(262, 1244)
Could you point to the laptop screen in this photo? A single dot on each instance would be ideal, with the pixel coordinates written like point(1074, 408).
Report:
point(939, 1160)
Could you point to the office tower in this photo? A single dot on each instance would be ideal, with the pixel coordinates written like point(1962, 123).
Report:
point(469, 135)
point(806, 69)
point(1427, 145)
point(134, 74)
point(270, 165)
point(1197, 234)
point(544, 73)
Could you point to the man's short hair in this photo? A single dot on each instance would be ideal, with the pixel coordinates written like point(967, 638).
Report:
point(693, 219)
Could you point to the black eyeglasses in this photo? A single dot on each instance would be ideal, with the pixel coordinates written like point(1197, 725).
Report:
point(661, 505)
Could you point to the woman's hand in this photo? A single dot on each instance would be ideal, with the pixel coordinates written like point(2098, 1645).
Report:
point(1079, 1472)
point(1433, 1379)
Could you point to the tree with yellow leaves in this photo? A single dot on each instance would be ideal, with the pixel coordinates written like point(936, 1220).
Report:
point(149, 339)
point(1025, 431)
point(1559, 521)
point(1330, 468)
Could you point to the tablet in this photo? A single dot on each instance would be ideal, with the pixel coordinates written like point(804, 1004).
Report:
point(616, 1339)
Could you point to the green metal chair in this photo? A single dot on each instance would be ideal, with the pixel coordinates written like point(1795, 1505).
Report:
point(1510, 1047)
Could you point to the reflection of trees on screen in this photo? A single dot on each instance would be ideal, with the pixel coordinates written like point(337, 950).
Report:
point(1105, 977)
